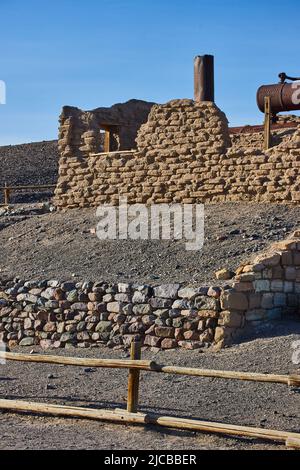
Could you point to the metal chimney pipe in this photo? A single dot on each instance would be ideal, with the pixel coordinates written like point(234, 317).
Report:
point(204, 81)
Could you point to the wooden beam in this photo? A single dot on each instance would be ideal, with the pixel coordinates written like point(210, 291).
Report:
point(291, 439)
point(78, 361)
point(39, 186)
point(292, 380)
point(72, 411)
point(293, 443)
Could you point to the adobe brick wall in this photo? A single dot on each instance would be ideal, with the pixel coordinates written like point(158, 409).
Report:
point(79, 131)
point(184, 154)
point(178, 156)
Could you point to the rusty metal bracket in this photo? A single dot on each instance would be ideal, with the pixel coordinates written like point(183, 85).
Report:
point(283, 77)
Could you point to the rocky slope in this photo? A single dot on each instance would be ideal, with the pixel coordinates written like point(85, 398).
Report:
point(61, 245)
point(26, 164)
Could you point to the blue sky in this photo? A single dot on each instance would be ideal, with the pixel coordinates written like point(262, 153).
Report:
point(90, 53)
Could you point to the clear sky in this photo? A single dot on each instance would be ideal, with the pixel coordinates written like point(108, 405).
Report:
point(91, 53)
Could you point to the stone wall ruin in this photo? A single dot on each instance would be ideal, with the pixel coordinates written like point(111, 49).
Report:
point(56, 314)
point(184, 154)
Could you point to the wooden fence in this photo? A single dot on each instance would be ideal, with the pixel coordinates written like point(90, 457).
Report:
point(7, 190)
point(132, 416)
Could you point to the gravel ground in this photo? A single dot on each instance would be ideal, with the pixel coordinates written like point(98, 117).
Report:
point(235, 402)
point(37, 245)
point(29, 164)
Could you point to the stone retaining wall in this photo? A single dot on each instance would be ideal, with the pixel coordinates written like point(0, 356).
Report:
point(265, 289)
point(184, 154)
point(55, 314)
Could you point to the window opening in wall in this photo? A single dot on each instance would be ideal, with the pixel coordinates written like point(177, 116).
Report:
point(105, 139)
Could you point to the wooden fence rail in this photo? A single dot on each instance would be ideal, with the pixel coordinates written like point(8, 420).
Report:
point(152, 366)
point(131, 416)
point(7, 190)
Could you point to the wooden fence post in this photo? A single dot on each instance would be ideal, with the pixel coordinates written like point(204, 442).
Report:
point(134, 379)
point(6, 195)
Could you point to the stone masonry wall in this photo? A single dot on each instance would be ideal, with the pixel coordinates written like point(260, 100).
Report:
point(56, 314)
point(184, 155)
point(178, 157)
point(79, 132)
point(265, 289)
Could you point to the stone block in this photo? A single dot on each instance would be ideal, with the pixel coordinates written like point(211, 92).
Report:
point(190, 345)
point(204, 302)
point(287, 258)
point(254, 300)
point(123, 288)
point(277, 286)
point(207, 336)
point(280, 300)
point(277, 272)
point(159, 303)
point(152, 341)
point(262, 285)
point(103, 326)
point(167, 291)
point(191, 335)
point(231, 299)
point(274, 313)
point(288, 286)
point(114, 307)
point(188, 293)
point(255, 314)
point(290, 273)
point(230, 319)
point(27, 342)
point(271, 260)
point(142, 309)
point(164, 332)
point(168, 343)
point(267, 300)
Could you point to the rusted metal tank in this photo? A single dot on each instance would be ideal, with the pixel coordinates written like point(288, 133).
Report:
point(284, 96)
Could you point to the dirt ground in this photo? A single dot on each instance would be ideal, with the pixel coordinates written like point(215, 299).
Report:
point(235, 402)
point(29, 164)
point(37, 245)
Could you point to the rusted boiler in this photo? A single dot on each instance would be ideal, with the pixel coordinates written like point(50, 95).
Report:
point(284, 96)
